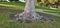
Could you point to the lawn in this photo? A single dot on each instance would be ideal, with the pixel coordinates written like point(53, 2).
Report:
point(6, 22)
point(22, 5)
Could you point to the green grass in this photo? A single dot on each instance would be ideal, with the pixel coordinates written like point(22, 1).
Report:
point(13, 3)
point(22, 5)
point(6, 22)
point(16, 5)
point(57, 11)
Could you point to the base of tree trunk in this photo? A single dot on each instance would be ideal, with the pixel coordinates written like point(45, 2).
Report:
point(28, 18)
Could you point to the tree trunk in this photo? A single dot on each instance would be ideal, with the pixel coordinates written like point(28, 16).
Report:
point(29, 14)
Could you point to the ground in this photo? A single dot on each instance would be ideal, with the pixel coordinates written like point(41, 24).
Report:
point(6, 22)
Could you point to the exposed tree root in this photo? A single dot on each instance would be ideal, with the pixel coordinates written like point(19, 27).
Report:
point(28, 18)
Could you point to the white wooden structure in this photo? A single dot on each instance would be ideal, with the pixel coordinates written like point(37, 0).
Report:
point(9, 0)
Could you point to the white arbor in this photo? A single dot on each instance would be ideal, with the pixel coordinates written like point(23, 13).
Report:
point(22, 0)
point(9, 0)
